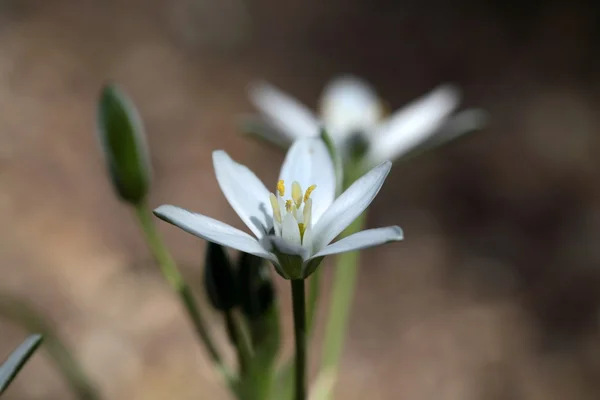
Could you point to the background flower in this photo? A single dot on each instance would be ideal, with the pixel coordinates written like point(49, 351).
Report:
point(355, 118)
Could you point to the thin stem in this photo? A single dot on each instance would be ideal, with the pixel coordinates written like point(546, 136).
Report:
point(23, 314)
point(298, 302)
point(240, 340)
point(344, 284)
point(314, 289)
point(174, 278)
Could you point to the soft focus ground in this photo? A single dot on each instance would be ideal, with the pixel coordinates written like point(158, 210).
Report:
point(494, 292)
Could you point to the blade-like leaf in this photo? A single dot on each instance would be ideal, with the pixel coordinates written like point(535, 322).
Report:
point(17, 360)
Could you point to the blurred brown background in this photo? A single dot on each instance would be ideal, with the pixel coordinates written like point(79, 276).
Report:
point(494, 293)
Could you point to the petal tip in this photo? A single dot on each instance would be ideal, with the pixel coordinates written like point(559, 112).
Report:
point(259, 90)
point(162, 210)
point(219, 156)
point(386, 166)
point(449, 90)
point(398, 232)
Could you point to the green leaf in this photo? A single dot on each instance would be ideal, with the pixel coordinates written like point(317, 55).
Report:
point(17, 360)
point(219, 279)
point(124, 145)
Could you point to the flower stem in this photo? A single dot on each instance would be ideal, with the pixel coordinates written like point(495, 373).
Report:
point(240, 340)
point(314, 289)
point(298, 302)
point(24, 314)
point(175, 279)
point(344, 284)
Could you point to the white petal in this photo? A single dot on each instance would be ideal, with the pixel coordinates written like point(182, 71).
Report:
point(212, 230)
point(455, 126)
point(260, 127)
point(349, 206)
point(362, 240)
point(349, 105)
point(287, 248)
point(464, 122)
point(308, 162)
point(290, 231)
point(246, 194)
point(285, 113)
point(412, 125)
point(307, 239)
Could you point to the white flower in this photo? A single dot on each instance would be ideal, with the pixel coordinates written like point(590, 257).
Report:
point(295, 224)
point(350, 109)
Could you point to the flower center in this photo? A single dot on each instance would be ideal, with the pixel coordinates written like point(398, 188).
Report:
point(299, 207)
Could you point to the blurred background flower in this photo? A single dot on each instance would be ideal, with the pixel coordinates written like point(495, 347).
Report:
point(494, 293)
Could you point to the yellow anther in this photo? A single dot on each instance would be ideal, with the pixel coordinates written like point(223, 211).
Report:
point(302, 229)
point(297, 194)
point(275, 206)
point(281, 187)
point(288, 205)
point(310, 189)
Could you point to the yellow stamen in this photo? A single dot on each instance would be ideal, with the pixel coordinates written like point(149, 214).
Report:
point(307, 212)
point(297, 194)
point(281, 188)
point(288, 205)
point(302, 229)
point(308, 192)
point(275, 206)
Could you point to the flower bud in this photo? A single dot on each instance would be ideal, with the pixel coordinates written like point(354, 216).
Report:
point(124, 145)
point(219, 279)
point(256, 288)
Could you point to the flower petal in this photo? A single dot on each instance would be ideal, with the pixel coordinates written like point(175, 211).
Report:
point(349, 105)
point(285, 113)
point(246, 194)
point(362, 240)
point(466, 121)
point(308, 162)
point(412, 124)
point(282, 246)
point(349, 206)
point(290, 231)
point(212, 230)
point(259, 127)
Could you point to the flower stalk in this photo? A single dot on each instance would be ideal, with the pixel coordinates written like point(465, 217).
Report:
point(344, 285)
point(299, 307)
point(174, 278)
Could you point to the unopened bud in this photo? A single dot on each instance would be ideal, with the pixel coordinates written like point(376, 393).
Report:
point(124, 145)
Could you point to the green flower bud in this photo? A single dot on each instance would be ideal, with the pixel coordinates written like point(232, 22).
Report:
point(124, 145)
point(256, 287)
point(219, 279)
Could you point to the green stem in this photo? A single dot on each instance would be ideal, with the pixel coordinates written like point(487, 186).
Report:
point(298, 302)
point(344, 286)
point(240, 340)
point(23, 314)
point(344, 283)
point(314, 289)
point(174, 278)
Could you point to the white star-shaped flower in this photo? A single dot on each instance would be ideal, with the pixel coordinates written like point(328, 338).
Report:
point(294, 225)
point(350, 109)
